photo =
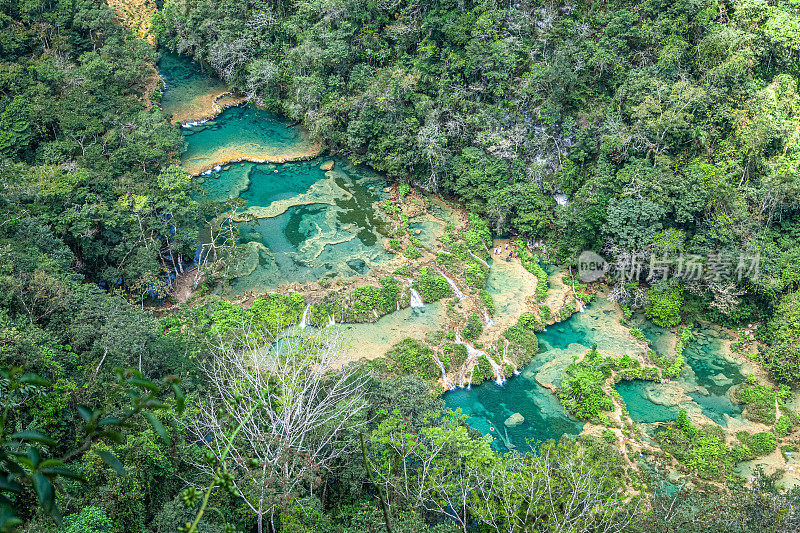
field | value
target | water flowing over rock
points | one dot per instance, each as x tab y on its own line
416	300
304	320
473	354
489	321
479	259
453	286
445	381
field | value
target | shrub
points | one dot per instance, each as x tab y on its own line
664	306
581	390
456	354
760	401
523	344
412	252
487	300
783	425
431	286
473	328
411	357
530	263
755	445
638	334
702	450
544	312
482	371
762	443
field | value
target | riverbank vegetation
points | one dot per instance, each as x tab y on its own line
625	126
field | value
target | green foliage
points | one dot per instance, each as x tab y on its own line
431	285
31	470
760	401
756	444
783	425
411	357
664	306
782	358
454	354
403	189
545	312
523	344
486	299
633	222
581	390
412	252
473	327
531	263
88	520
703	450
638	334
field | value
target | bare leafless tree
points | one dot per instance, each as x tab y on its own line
293	401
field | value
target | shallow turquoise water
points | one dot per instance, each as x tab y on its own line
312	224
185	82
338	235
489	404
703	355
640	408
241	131
708	369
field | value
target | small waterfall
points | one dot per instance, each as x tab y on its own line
416	300
331	321
489	321
479	258
474	353
453	285
304	320
446	382
398	305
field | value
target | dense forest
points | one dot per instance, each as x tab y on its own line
648	126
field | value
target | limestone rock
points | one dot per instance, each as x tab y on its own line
417	231
514	420
720	380
326	166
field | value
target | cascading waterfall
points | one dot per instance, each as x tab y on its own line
506	359
479	258
304	320
489	321
453	285
416	300
474	353
446	381
331	321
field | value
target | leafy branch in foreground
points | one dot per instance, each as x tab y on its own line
26	456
